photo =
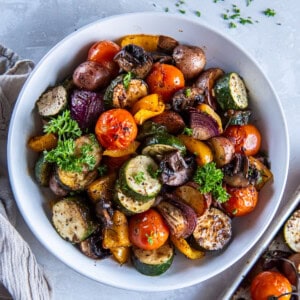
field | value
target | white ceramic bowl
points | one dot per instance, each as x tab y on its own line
221	52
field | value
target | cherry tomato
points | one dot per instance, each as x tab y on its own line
116	129
103	53
246	138
148	230
270	283
242	200
165	80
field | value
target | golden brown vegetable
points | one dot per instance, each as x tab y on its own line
102	188
223	150
182	245
43	142
122	152
120	254
117	234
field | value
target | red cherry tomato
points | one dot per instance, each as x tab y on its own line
270	283
246	138
165	80
116	129
148	230
103	52
242	200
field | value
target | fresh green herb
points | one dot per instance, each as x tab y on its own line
209	178
139	177
64	126
188	131
102	169
150	238
198	13
182	11
248	2
234	212
65	156
245	21
126	80
232	25
166	9
153	173
225	17
269	12
187	92
234	16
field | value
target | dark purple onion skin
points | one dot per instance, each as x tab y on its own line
86	106
187	211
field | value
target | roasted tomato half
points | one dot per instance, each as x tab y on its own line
242	200
148	230
116	129
246	138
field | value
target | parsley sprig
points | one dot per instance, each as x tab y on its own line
66	157
209	178
139	177
64	126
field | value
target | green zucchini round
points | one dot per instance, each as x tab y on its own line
231	92
42	171
291	231
153	262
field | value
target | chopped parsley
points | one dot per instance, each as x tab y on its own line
198	13
232	25
139	177
65	156
209	178
248	2
64	126
187	92
182	11
102	169
188	131
269	12
126	80
153	173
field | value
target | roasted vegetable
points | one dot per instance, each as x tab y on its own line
121	254
186	98
43	142
206	82
91	76
85	107
43	171
52	102
176	170
131	149
213	230
135	59
291	231
56	187
72	219
180	217
153	262
190	60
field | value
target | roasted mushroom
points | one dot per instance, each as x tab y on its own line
175	169
134	59
190	60
206	82
187	98
92	246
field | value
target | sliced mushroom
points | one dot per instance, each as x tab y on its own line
187	98
206	81
190	60
92	246
166	44
175	169
134	59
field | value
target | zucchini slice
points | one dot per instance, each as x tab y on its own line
153	262
291	231
129	205
231	92
72	220
52	102
42	171
136	180
160	144
213	230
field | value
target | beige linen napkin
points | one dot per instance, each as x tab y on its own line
19	270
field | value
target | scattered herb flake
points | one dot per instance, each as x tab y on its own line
198	13
102	169
269	12
248	2
187	92
166	9
153	173
225	17
188	131
245	21
182	11
234	16
139	177
232	25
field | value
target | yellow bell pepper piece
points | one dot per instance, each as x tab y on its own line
203	153
146	108
182	245
117	235
121	254
146	41
122	152
207	109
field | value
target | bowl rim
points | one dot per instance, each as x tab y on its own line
35	231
